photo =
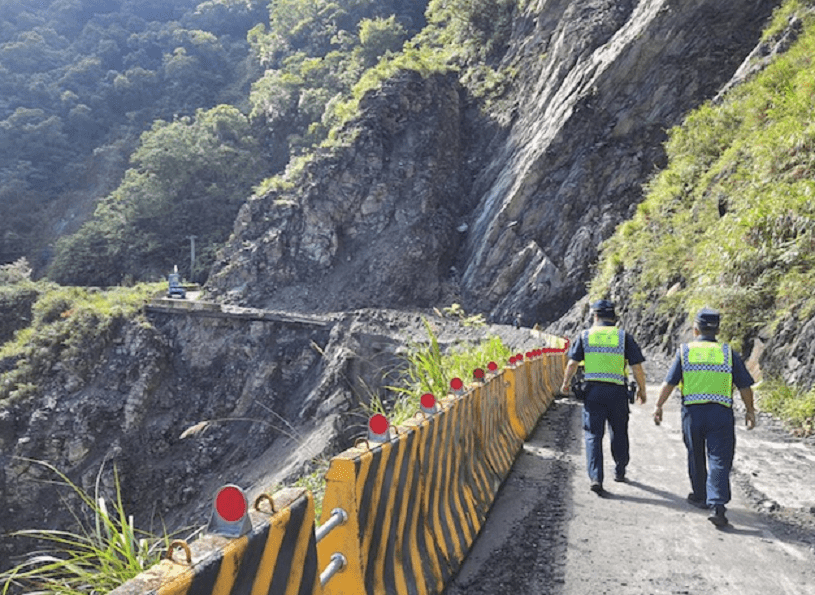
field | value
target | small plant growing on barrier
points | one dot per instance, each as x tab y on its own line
429	370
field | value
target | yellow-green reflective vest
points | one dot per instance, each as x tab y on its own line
604	351
707	373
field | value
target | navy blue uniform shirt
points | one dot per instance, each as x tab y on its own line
741	377
633	353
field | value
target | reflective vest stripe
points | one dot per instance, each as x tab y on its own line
604	351
707	373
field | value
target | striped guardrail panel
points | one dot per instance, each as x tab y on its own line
515	395
527	407
498	440
543	379
537	395
395	546
449	531
278	556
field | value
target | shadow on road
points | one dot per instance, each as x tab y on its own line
664	498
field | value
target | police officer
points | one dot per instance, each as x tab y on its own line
706	371
605	351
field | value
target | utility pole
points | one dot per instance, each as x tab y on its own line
192	255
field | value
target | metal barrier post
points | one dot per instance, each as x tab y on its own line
338	561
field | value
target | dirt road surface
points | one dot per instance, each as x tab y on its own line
548	534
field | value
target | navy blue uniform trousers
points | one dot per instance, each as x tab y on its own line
710	437
605	403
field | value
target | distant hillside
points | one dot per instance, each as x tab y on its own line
81	80
125	103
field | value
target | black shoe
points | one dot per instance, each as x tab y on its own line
716	516
620	478
696	501
597	488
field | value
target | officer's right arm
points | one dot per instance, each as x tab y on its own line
664	392
571	369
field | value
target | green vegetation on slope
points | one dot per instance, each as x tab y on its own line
189	177
80	80
319	58
730	222
71	325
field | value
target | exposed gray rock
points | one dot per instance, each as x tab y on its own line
439	200
369	224
602	81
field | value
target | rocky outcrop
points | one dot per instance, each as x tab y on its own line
436	199
372	223
178	404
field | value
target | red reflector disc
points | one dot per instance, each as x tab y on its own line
456	384
492	366
378	424
428	400
230	504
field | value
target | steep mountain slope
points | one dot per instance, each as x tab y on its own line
729	222
438	196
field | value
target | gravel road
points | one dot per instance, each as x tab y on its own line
548	534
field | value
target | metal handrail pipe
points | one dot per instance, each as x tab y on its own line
338	562
337	518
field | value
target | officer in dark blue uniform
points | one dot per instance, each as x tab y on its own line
706	371
605	351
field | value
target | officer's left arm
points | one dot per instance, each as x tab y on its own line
744	382
750	415
639	376
634	357
672	380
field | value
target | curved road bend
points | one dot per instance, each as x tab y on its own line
548	534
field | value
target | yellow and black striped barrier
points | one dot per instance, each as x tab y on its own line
277	556
400	512
417	501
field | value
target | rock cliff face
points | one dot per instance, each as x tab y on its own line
183	402
437	199
176	403
370	224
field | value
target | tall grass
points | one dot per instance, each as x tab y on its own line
429	369
104	552
791	403
729	221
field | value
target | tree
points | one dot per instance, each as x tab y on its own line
379	36
189	177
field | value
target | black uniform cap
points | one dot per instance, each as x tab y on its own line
604	309
707	319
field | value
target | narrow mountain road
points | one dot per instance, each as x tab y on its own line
548	534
